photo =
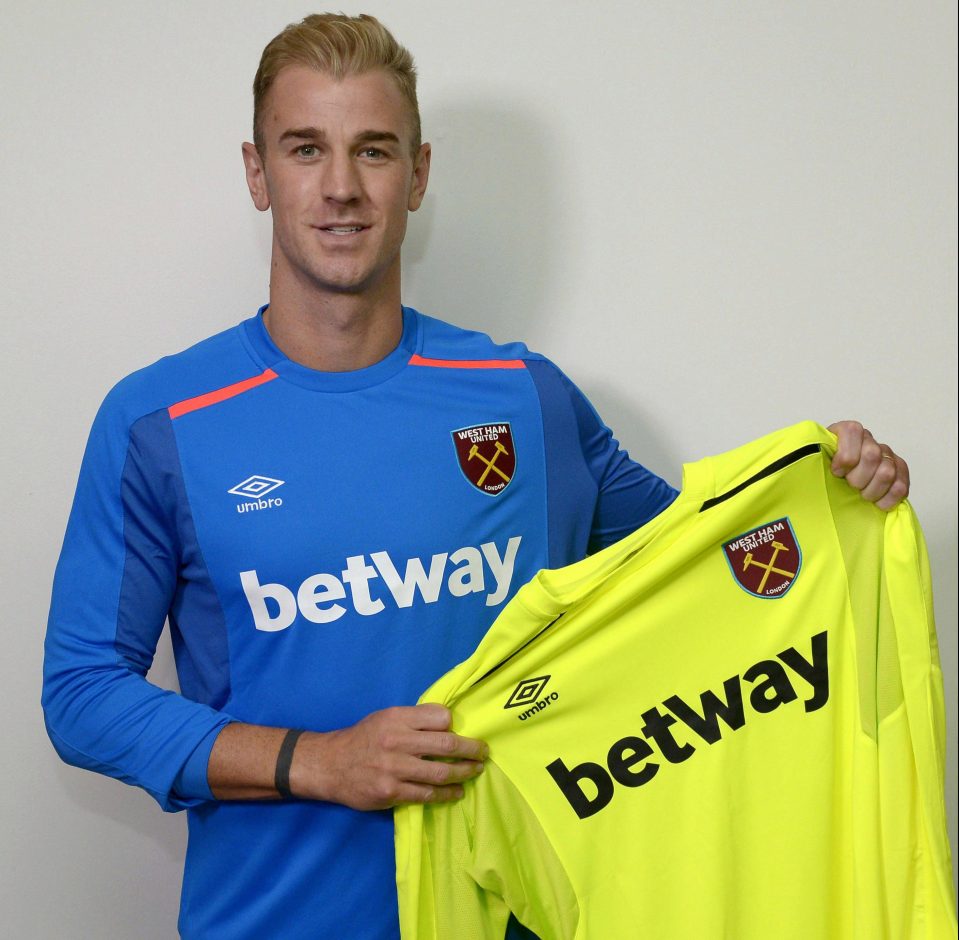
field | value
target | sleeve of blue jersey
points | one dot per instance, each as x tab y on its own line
629	494
113	587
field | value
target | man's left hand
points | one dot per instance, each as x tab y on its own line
880	475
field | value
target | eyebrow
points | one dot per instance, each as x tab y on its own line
314	133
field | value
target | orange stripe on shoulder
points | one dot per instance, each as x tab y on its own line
467	363
220	394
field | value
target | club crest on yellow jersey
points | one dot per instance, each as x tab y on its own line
486	456
765	561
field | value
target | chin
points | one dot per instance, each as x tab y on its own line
350	281
338	279
343	285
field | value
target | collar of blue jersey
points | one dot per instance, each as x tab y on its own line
265	352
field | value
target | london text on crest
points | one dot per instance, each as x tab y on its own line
486	456
765	561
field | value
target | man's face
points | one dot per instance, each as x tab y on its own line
338	173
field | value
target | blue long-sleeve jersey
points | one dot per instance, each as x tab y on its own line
323	545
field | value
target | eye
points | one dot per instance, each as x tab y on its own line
306	150
372	153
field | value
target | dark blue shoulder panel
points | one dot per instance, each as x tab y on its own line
571	491
164	572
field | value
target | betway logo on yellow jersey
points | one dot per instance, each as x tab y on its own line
628	760
468	570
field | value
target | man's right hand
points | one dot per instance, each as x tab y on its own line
398	755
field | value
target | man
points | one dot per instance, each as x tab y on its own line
330	502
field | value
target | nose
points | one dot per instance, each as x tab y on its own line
341	181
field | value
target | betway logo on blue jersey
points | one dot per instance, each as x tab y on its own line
468	570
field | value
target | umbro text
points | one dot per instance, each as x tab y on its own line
256	504
539	706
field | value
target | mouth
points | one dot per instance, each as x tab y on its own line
342	229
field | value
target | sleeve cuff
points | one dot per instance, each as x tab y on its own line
191	782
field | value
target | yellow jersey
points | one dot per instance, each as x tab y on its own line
727	725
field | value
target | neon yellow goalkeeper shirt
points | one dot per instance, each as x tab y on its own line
728	725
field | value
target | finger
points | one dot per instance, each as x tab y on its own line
412	781
881	480
445	794
849	436
412	793
870	457
899	488
446	744
440	773
897	493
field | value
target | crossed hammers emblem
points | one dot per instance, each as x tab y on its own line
490	462
770	566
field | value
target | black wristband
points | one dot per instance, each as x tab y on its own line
281	777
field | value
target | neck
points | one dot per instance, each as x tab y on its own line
334	332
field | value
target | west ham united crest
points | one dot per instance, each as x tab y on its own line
766	560
486	456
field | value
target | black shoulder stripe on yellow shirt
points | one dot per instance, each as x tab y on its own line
774	467
516	652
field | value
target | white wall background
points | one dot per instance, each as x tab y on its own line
718	217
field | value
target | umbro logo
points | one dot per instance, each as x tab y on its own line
528	692
253	489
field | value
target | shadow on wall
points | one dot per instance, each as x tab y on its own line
941	541
636	430
128	806
486	249
483	251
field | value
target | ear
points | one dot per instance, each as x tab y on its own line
256	177
421	175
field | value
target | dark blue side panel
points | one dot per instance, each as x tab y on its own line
156	500
571	490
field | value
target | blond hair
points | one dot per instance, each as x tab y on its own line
337	45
